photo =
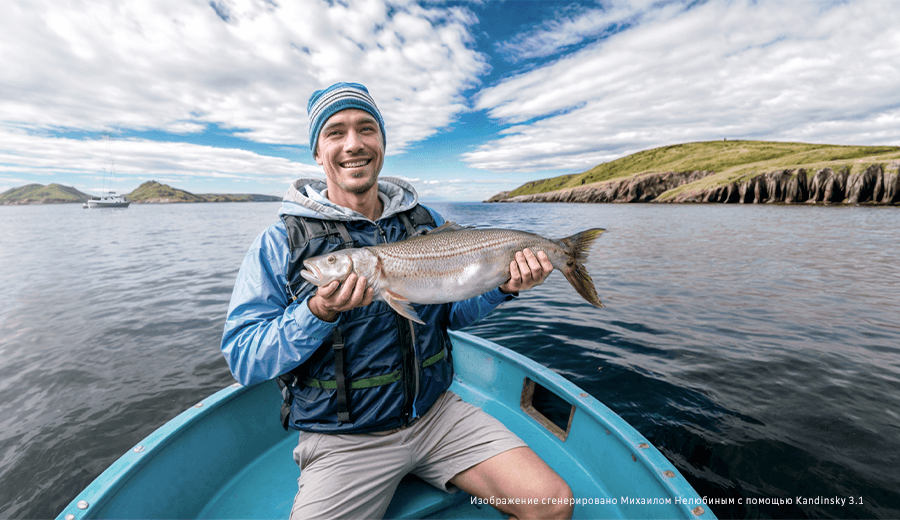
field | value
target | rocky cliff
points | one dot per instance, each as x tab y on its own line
873	185
876	184
642	188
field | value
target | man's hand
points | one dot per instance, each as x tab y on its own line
334	298
527	271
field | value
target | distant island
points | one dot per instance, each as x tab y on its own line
154	192
747	172
150	192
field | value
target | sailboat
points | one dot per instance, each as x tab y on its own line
110	199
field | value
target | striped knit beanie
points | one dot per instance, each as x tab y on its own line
340	96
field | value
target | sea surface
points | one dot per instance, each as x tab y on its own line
758	347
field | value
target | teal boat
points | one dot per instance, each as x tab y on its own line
228	456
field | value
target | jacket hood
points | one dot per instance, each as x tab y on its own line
308	198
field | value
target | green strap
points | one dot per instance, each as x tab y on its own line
370	382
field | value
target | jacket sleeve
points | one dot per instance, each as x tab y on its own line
266	334
467	312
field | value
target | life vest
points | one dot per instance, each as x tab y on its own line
381	371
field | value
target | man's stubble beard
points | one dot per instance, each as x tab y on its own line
361	188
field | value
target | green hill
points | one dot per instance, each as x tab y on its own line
732	161
152	191
40	194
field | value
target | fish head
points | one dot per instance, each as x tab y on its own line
324	269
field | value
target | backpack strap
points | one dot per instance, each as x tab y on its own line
420	216
339	383
416	219
300	232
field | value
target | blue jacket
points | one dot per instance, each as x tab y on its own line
267	334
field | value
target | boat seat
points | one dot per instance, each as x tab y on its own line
270	483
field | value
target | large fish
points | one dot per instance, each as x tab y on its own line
451	263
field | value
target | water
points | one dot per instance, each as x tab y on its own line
755	346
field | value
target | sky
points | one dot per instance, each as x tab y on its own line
478	97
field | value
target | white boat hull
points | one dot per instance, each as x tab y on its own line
110	201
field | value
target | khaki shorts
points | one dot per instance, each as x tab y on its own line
355	475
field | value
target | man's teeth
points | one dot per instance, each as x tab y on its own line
355	164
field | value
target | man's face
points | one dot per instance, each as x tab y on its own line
351	150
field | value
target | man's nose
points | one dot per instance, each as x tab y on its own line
352	142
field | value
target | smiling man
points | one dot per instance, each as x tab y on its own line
367	388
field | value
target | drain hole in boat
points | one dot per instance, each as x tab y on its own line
547	408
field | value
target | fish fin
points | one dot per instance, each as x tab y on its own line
401	306
577	247
446	226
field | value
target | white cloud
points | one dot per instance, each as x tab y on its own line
248	65
572	26
802	71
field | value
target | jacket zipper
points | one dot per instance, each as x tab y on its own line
407	355
417	372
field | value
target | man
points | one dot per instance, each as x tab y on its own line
366	387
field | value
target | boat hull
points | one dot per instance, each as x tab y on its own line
228	457
97	204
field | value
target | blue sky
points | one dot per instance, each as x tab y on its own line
478	97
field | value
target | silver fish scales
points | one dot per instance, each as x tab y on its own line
451	263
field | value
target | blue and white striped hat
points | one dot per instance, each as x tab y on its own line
340	96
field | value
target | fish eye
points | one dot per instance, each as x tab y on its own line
331	259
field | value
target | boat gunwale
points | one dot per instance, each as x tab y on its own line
122	470
114	477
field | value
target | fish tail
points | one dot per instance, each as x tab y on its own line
577	247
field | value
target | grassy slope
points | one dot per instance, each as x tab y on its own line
39	192
732	160
152	190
